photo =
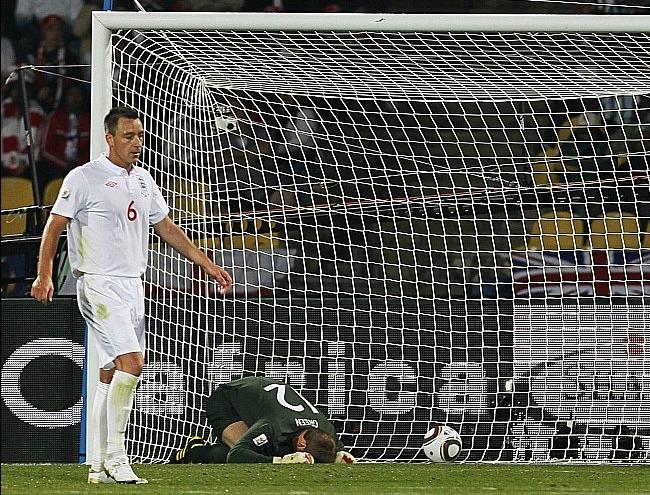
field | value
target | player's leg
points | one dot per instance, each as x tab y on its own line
99	428
226	425
223	417
121	393
208	454
88	306
119	402
233	432
117	315
197	451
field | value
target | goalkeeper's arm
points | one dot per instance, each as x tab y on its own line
343	457
241	454
255	446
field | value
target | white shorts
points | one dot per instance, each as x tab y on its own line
113	308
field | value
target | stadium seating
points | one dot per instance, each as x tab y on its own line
187	199
547	170
615	231
51	191
16	192
556	231
543	172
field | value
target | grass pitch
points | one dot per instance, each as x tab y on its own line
371	479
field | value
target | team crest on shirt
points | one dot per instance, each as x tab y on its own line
111	183
143	186
260	440
65	193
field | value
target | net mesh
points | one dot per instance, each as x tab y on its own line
422	228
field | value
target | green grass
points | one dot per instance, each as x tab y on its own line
373	479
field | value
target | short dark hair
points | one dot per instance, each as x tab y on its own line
321	445
116	113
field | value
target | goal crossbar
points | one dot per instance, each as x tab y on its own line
375	22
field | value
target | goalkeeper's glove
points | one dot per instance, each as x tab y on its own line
343	457
295	458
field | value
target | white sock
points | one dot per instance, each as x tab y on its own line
98	426
119	402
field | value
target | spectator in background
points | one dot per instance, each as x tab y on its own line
52	51
8	57
35	11
293	133
30	13
611	7
67	136
215	5
82	29
15	160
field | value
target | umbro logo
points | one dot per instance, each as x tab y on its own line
111	183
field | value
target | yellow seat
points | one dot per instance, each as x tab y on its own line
16	193
568	127
51	191
557	231
253	242
543	172
187	199
616	231
550	160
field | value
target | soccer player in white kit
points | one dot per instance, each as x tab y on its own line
107	206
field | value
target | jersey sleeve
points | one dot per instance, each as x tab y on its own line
159	209
73	195
255	446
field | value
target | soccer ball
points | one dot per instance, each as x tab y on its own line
442	444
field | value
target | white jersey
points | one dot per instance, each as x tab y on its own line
110	211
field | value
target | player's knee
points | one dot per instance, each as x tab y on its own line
233	432
131	363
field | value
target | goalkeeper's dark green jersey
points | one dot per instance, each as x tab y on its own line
274	412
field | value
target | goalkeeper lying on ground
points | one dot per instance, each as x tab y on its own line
261	420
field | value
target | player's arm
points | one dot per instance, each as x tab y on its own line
173	235
43	288
255	445
343	457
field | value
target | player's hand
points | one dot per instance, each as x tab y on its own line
219	275
343	457
295	458
43	289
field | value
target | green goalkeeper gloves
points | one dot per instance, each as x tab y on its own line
295	458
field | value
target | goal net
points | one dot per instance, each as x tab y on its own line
428	220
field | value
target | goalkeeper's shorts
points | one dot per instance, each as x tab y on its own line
220	411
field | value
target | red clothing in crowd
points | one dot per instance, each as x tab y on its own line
14	144
67	139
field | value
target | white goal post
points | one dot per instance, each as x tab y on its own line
429	219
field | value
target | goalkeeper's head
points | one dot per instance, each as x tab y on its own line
320	444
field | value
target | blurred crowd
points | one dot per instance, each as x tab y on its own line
55	37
